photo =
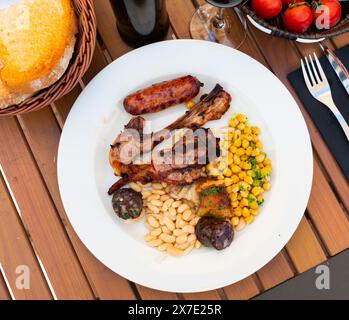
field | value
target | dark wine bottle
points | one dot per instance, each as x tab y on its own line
141	22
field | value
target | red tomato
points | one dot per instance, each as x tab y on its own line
298	18
327	13
267	9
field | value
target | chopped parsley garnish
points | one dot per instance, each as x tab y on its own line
221	207
253	145
260	202
253	162
258	183
242	188
213	191
251	198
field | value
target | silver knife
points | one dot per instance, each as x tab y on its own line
337	66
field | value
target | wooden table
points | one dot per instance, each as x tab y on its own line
35	231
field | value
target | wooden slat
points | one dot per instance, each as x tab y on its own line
207	295
304	248
341	40
276	271
42	133
242	290
16	250
151	294
40	216
4	293
327	215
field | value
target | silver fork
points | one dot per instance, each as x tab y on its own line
319	87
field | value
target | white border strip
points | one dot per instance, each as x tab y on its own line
42	267
2	272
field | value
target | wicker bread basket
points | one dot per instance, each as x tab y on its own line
275	27
79	63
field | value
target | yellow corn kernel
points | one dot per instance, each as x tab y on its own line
237	211
230	159
234	221
260	158
244	158
237	143
241	126
235	188
249	219
244	194
233	122
227	172
247	130
259	144
245	212
266	161
255	152
237	159
260	198
249	173
243	202
235	204
228	182
245	144
265	171
235	169
246	166
233	196
235	178
241	117
248	151
266	186
242	175
232	149
254	212
248	179
256	130
220	177
240	151
253	205
256	191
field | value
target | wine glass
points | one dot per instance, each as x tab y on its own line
213	22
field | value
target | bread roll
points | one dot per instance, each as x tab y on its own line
37	39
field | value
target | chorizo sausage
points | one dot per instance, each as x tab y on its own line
162	95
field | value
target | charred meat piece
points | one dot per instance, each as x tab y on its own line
212	107
127	203
174	167
162	95
214	232
215	201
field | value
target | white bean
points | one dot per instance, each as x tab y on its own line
186	214
164	246
181	239
167	238
174	251
241	224
197	244
182	208
157	203
153	197
188	228
157	186
182	246
186	251
192	238
165	230
146	193
156	232
179	232
153	208
153	222
169	224
160	192
165	197
135	186
149	237
176	204
154	243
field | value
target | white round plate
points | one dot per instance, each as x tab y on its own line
98	116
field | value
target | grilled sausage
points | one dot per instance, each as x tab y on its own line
162	95
214	232
127	203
